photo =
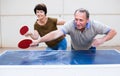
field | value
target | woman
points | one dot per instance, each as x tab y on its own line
44	25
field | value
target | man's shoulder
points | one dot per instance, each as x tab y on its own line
94	22
70	22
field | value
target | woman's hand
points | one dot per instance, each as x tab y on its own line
34	43
27	34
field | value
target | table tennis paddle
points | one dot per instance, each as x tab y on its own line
24	29
23	44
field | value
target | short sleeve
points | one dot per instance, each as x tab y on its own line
66	28
101	28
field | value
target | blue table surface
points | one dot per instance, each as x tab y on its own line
82	57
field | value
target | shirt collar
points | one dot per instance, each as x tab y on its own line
88	25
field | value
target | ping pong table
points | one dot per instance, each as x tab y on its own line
60	63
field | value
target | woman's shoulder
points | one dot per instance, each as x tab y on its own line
52	18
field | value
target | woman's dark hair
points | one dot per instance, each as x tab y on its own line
40	7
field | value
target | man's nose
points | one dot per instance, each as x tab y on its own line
78	22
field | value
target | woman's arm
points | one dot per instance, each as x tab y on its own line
33	35
60	22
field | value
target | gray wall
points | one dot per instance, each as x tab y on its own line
15	13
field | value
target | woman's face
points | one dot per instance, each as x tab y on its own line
40	14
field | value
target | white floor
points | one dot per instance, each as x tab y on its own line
42	48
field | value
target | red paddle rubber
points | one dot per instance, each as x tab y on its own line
23	30
24	43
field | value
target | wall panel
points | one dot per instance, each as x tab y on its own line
15	13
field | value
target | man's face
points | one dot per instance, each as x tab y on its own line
80	20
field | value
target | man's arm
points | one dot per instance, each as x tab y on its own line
107	37
51	36
110	35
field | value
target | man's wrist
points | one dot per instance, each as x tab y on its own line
39	40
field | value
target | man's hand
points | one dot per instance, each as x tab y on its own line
97	42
